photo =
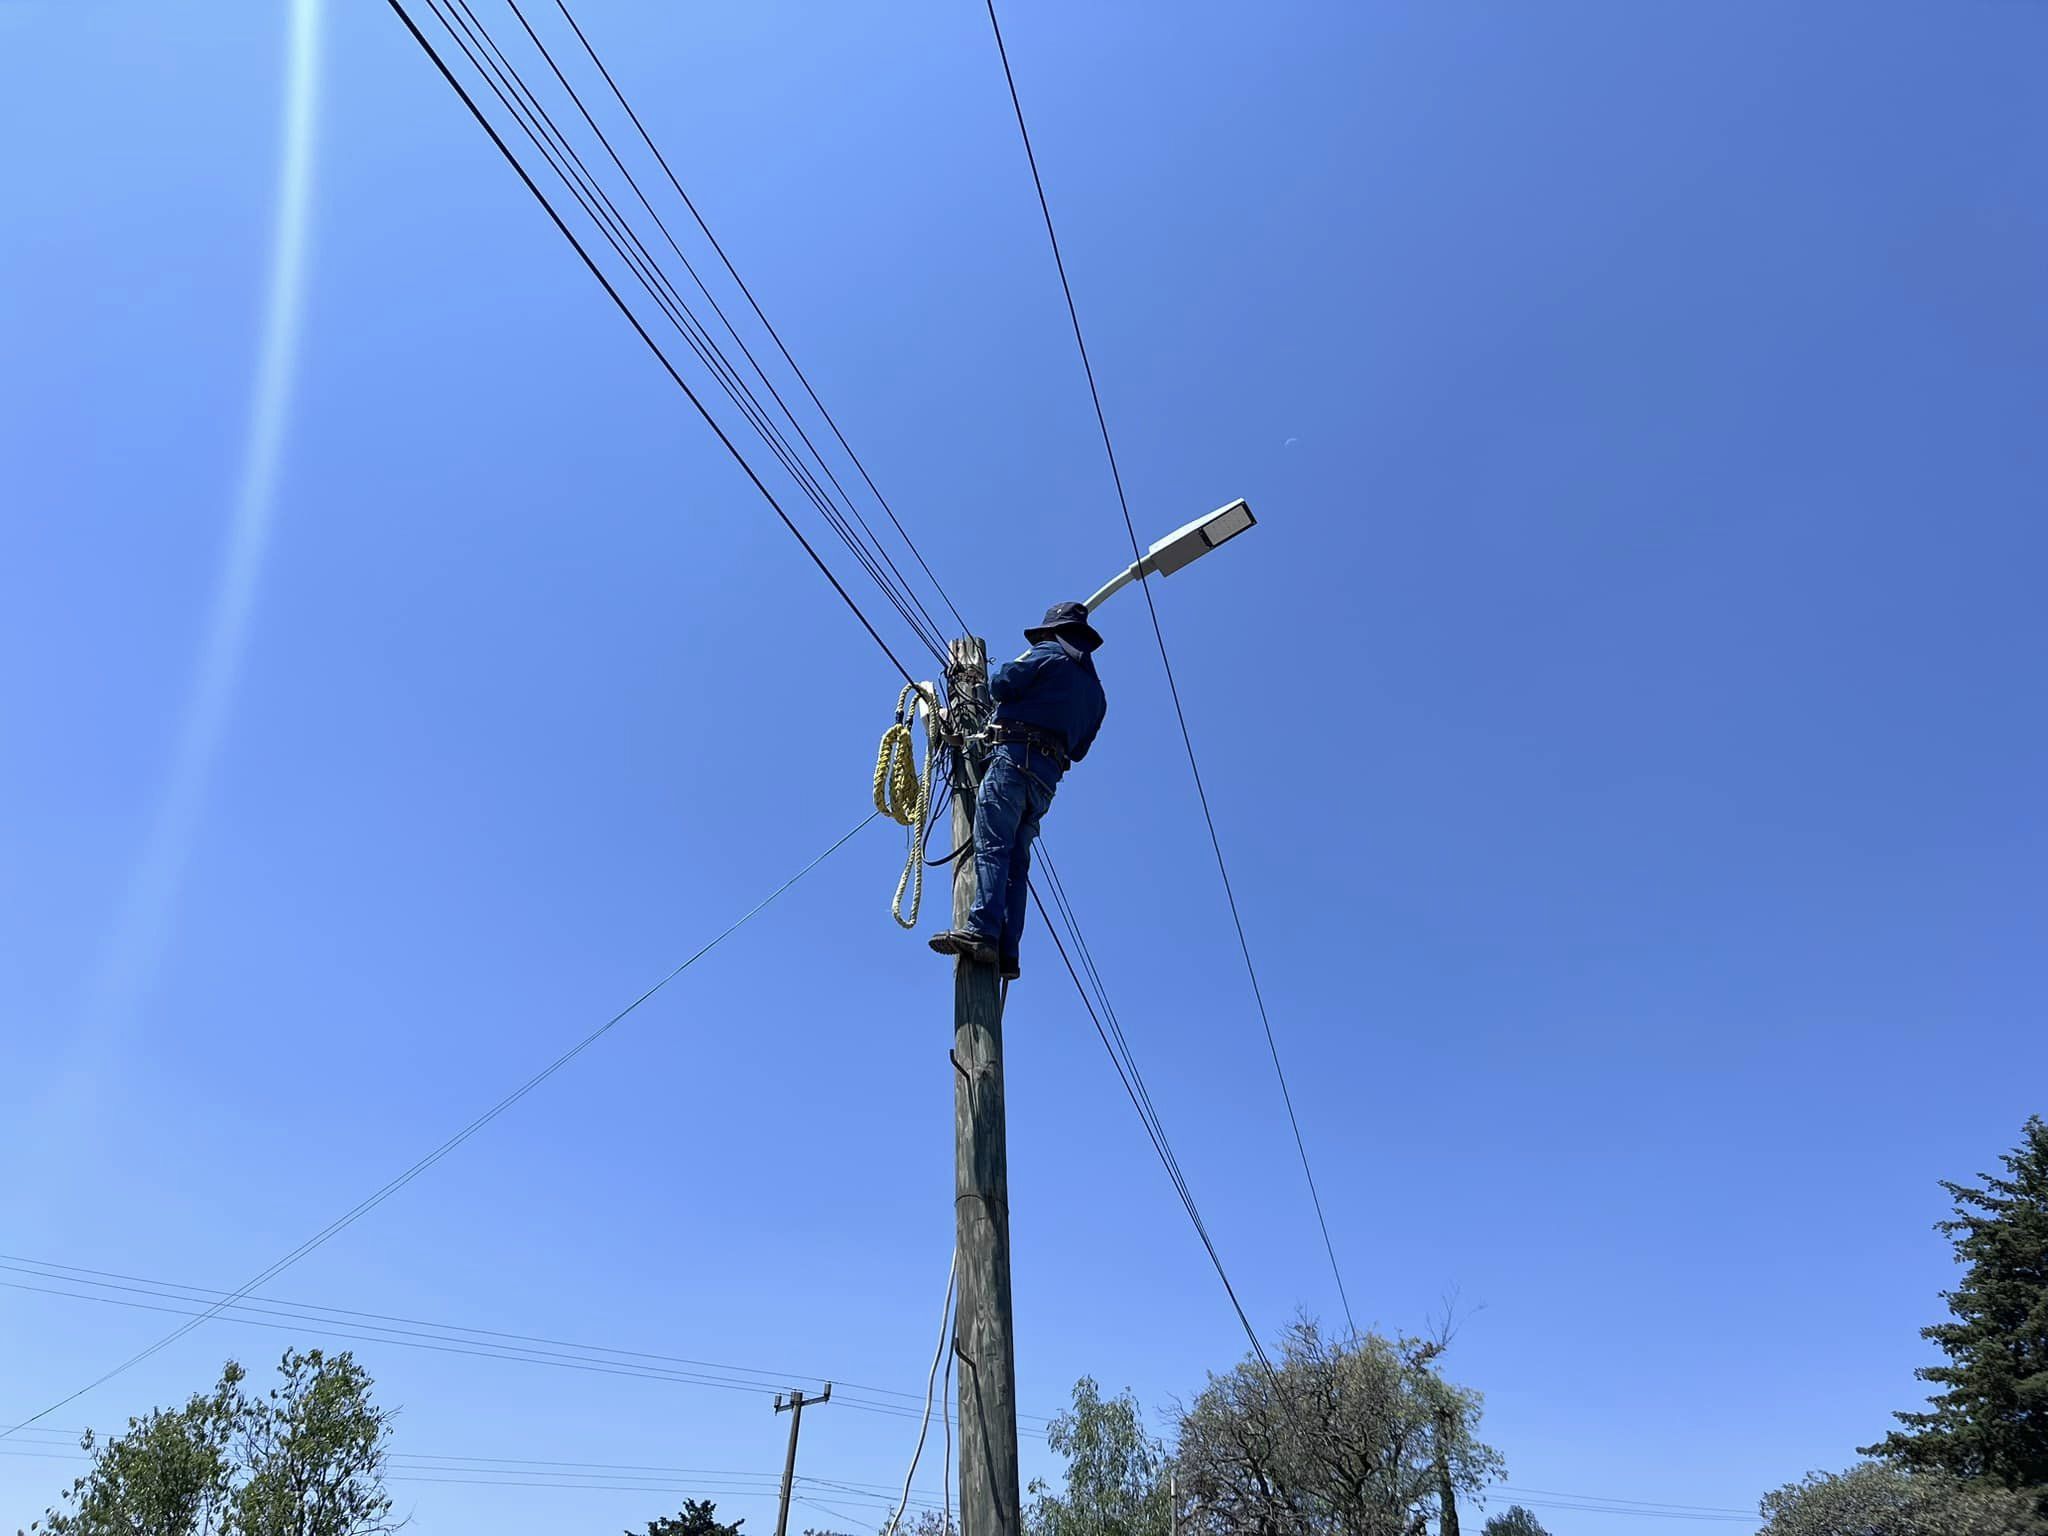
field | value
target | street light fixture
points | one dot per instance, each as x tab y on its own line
1182	547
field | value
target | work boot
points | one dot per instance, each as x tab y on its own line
964	941
1008	968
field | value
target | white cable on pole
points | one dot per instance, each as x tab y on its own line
946	1426
930	1384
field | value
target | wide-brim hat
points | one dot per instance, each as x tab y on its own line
1069	622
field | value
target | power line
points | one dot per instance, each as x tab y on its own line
1647	1514
802	377
600	1476
647	265
640	330
546	135
877	1492
1140	1094
441	1338
716	309
1646	1505
586	1487
301	1323
1141	1097
756	1377
1141	1100
527	1466
400	1471
370	1202
508	75
1124	1060
537	124
836	1514
1159	634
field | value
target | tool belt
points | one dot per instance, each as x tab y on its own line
1051	744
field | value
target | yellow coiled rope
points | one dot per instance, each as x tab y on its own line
904	797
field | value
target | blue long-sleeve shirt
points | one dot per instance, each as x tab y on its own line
1055	689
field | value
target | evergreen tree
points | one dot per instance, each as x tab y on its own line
1990	1420
699	1517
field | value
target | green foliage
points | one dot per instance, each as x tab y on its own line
1514	1521
1873	1499
925	1522
312	1453
169	1475
1990	1420
1116	1482
699	1517
1353	1439
307	1459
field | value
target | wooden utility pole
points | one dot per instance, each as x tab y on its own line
1446	1485
982	1330
795	1404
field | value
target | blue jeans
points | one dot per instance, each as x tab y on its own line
1016	792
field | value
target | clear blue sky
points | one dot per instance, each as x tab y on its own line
1624	723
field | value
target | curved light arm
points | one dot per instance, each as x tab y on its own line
1117	583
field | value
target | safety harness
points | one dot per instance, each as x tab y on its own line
1051	743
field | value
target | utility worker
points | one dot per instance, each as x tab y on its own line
1049	705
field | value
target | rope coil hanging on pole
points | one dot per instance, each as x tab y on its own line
904	796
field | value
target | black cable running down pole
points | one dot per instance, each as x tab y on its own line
640	330
1173	687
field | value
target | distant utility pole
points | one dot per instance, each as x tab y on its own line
796	1403
982	1331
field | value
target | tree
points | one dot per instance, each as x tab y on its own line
1116	1483
1990	1421
307	1459
1340	1440
1873	1499
167	1476
699	1517
312	1453
1514	1521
